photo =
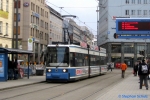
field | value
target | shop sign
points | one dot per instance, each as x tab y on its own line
36	14
26	4
34	26
30	44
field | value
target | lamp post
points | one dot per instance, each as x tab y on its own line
145	50
16	2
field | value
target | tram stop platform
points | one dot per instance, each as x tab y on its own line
21	82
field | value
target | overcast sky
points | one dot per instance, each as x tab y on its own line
85	10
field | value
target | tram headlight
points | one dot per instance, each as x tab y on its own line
49	70
64	70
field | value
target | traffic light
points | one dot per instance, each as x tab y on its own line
115	36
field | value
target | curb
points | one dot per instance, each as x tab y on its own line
7	88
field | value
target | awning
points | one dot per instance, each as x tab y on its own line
15	51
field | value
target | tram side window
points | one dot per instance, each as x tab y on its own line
97	61
92	60
103	60
78	60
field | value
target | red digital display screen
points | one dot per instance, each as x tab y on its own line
134	26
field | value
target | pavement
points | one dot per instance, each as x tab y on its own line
128	88
21	82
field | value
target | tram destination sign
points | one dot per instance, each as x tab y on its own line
133	26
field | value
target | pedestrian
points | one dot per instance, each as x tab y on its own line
109	66
135	69
15	68
10	70
123	69
138	68
143	73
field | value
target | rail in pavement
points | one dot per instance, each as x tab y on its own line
128	88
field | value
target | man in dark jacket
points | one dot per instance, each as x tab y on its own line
135	68
143	72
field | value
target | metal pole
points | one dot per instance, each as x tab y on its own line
16	26
97	22
28	67
145	49
64	35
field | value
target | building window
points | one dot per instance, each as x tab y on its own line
1	4
133	1
116	48
31	5
139	1
7	5
42	23
31	31
145	2
6	28
127	1
145	12
18	30
127	12
132	12
139	12
15	4
41	11
1	26
45	36
15	17
36	9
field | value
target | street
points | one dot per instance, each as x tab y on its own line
88	89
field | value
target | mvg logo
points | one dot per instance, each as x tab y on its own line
26	4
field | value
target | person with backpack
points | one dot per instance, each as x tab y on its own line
143	72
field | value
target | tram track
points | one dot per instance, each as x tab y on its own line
80	88
58	95
35	85
109	85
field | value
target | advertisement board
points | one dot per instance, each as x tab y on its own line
30	44
1	65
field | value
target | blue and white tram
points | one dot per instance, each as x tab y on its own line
72	62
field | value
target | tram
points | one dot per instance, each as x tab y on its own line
73	62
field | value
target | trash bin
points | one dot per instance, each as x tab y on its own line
39	70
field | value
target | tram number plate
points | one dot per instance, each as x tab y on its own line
48	74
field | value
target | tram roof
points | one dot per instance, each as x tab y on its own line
15	51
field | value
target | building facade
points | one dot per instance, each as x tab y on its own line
6	23
76	33
122	50
56	24
33	26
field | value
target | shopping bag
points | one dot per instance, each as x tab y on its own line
133	71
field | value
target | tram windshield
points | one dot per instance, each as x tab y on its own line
57	57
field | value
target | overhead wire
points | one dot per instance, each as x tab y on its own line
71	14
